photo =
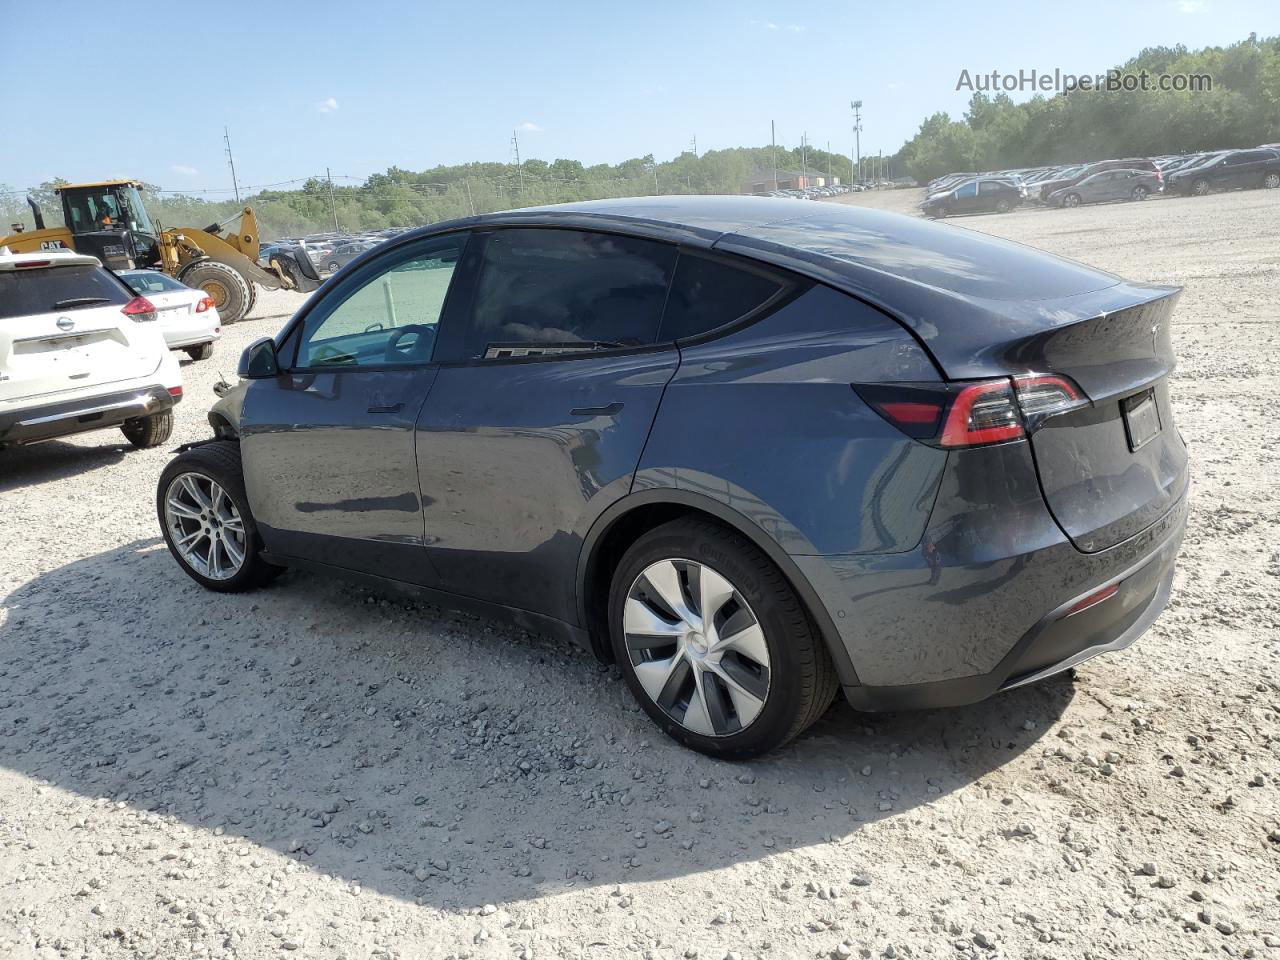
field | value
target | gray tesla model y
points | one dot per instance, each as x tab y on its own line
754	451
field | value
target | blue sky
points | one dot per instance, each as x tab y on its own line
363	86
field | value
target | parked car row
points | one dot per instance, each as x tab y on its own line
815	193
1103	181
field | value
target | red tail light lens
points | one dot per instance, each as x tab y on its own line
973	414
204	304
1092	600
175	392
982	413
139	309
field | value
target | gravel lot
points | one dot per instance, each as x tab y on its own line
318	770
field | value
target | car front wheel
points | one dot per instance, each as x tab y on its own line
1200	188
1139	193
1271	181
714	643
204	516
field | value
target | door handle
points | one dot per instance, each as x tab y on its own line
608	410
386	408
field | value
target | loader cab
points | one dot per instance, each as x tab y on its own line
109	221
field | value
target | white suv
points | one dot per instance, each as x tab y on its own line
79	351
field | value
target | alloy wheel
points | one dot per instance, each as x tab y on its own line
205	526
696	647
1271	181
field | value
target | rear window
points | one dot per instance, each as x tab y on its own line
50	289
707	294
939	255
145	283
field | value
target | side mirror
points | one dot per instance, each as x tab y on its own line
258	361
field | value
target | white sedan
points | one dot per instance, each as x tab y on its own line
187	318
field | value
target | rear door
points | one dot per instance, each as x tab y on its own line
966	197
61	328
547	389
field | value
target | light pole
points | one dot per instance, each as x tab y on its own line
857	139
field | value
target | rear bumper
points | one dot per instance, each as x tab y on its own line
49	421
982	605
179	335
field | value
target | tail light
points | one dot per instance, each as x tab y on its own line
973	414
175	392
139	309
205	304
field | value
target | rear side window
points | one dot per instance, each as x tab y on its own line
50	289
707	294
555	291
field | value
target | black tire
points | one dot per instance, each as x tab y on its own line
220	462
802	679
253	298
1003	205
224	285
1071	200
1139	193
202	351
150	431
1200	188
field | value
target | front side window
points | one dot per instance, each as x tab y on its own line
544	291
968	190
389	318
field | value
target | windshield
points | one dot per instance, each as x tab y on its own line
106	208
137	217
149	281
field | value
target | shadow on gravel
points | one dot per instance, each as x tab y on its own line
55	460
428	755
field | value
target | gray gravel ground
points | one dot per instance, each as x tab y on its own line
317	770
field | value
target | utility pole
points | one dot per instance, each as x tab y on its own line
695	146
332	204
829	163
773	149
472	203
857	139
226	138
655	178
804	160
515	142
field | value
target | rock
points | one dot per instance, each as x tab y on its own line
1225	927
1148	869
488	910
843	951
861	880
983	939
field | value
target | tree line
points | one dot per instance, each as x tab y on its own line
1242	109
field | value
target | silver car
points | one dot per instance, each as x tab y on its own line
1109	185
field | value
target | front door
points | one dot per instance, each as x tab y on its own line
537	419
329	445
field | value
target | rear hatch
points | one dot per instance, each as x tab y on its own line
61	328
984	307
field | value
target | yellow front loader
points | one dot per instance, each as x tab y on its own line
109	221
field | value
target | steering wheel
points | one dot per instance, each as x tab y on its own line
419	350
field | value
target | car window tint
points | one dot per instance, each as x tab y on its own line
968	190
553	290
707	294
145	283
44	290
389	318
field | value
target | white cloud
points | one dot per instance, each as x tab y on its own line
1191	6
529	127
184	170
795	28
328	105
776	27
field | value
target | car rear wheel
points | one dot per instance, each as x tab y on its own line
150	431
205	518
333	266
1200	187
1271	181
201	351
1139	193
1071	200
714	643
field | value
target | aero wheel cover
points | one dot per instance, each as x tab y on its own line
696	647
204	526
